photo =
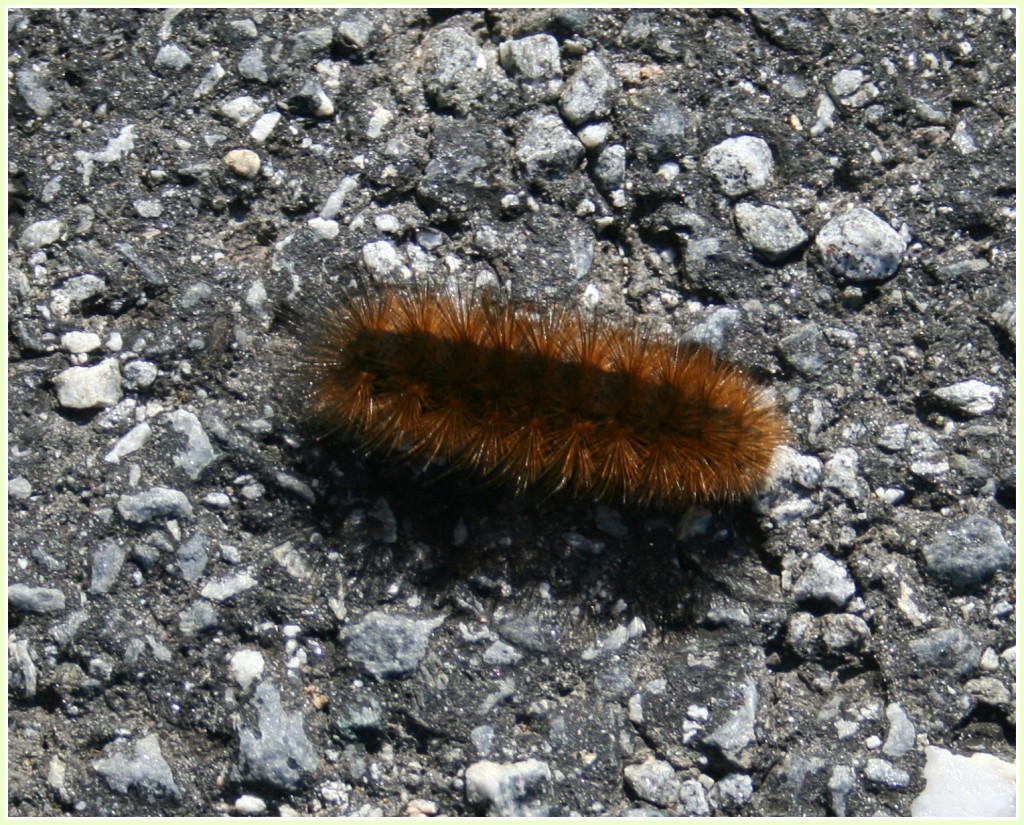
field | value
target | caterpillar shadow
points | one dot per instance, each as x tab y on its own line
461	540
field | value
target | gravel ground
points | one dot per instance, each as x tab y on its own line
213	612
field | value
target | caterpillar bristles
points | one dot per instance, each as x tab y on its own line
554	400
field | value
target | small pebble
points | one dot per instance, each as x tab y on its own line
172	57
882	772
227	587
245	667
19	488
155	504
240	109
43	600
249	805
654	781
262	128
40	234
968	552
971	398
80	342
84	388
547	149
860	246
139	375
824	580
771	231
355	31
243	162
740	164
34	93
591	91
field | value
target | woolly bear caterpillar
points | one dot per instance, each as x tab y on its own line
553	399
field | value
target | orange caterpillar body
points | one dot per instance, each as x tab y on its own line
551	399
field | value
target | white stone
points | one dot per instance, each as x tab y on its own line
83	388
979	787
246	666
78	342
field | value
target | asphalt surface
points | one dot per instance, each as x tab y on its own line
215	610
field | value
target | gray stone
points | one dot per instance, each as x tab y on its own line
824	580
614	681
547	149
803	634
172	58
509	789
296	487
139	375
309	42
389	646
841	473
989	690
736	733
615	640
842	633
716	329
840	783
661	128
846	82
106	565
276	752
500	653
901	737
40	233
693	799
229	586
155	504
252	65
590	93
969	398
133	440
610	167
44	600
193	557
143	771
740	164
1006	318
653	781
23	669
249	805
453	69
482	737
884	773
359	718
19	488
198	453
968	552
148	208
84	388
197	618
240	109
33	92
771	231
860	246
805	350
355	30
947	648
310	100
731	792
536	62
467	170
